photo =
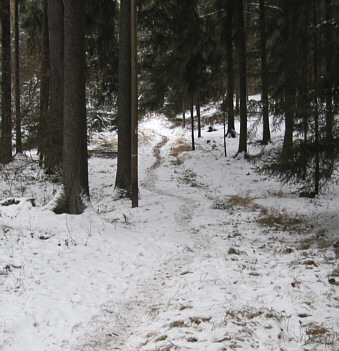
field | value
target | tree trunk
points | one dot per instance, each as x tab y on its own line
264	78
75	167
198	113
55	119
242	77
230	69
316	109
123	176
6	121
328	67
184	114
18	137
134	109
192	121
44	85
289	79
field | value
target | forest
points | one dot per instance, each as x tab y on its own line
66	71
169	175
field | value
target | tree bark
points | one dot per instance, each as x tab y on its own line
242	77
197	106
6	121
75	167
44	85
55	119
192	121
328	67
289	72
18	136
264	75
184	114
230	69
123	176
134	109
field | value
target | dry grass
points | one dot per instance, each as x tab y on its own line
272	218
319	334
279	219
181	147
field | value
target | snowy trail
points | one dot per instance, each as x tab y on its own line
120	323
221	291
216	257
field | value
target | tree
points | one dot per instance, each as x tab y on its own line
53	131
123	176
44	85
242	76
230	68
75	166
18	137
6	121
264	73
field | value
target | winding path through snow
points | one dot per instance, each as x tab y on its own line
234	286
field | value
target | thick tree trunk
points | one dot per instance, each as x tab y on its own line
230	70
44	85
264	78
123	176
242	78
55	119
6	121
289	123
18	136
75	167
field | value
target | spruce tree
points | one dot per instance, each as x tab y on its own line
6	105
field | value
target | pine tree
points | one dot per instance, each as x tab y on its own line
264	73
53	131
241	43
6	120
75	166
44	86
123	176
18	135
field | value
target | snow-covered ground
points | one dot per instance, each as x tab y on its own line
216	257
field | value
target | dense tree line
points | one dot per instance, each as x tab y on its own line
190	53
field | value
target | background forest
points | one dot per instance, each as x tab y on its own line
190	53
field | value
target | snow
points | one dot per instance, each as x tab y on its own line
195	267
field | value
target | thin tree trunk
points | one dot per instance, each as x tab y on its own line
184	114
198	113
55	119
242	78
192	122
123	176
75	167
303	103
316	111
264	75
230	69
44	85
289	81
18	136
6	121
328	64
134	109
